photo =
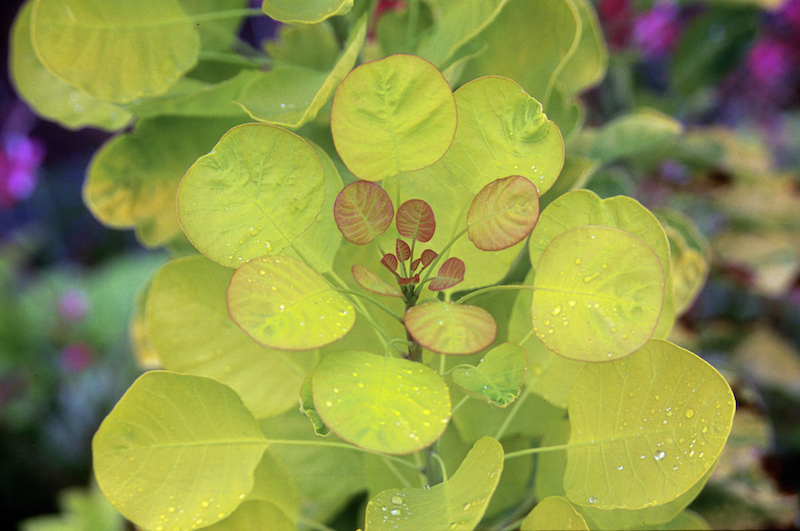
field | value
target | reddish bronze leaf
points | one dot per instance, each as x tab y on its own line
403	250
450	274
362	211
415	220
390	261
427	257
503	213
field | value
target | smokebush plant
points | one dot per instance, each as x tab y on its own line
377	218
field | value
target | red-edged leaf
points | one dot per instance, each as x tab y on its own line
407	281
403	250
372	282
362	211
390	261
427	257
503	213
450	274
450	328
415	220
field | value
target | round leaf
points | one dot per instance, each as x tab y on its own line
362	211
450	274
383	404
457	504
392	115
554	512
497	378
177	451
415	220
187	322
254	194
306	12
373	283
597	294
503	213
451	328
47	94
645	428
282	303
109	49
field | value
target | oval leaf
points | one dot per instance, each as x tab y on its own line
84	43
373	283
362	211
554	512
503	213
645	428
403	250
392	115
306	12
254	194
383	404
187	322
187	438
497	378
458	504
282	303
450	274
415	220
597	294
451	328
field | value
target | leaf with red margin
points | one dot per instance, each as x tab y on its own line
373	283
390	261
415	220
362	211
451	328
403	250
503	213
450	274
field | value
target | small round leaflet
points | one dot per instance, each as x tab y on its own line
384	404
451	328
415	220
393	115
362	211
503	213
282	303
597	294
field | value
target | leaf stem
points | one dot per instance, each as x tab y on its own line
334	444
373	301
489	289
538	450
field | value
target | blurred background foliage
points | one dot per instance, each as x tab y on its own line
728	70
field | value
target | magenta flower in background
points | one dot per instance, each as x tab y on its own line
656	32
20	157
616	17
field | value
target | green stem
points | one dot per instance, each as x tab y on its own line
490	289
539	450
333	444
434	466
373	301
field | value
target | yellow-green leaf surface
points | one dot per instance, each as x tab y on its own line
597	295
292	95
451	328
568	59
583	207
645	428
502	131
503	213
282	303
458	22
497	378
187	321
219	34
634	133
133	179
307	12
392	115
177	451
457	504
47	94
554	512
254	194
116	51
308	45
383	404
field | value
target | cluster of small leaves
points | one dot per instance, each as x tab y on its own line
259	311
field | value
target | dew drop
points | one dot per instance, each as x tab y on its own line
660	455
572	303
589	278
619	467
467	506
577	261
268	246
689	413
593	499
394	512
328	403
557	310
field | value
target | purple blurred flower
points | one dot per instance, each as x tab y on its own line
73	305
656	32
616	17
76	357
20	156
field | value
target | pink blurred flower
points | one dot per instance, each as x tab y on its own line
76	357
768	61
656	32
73	305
